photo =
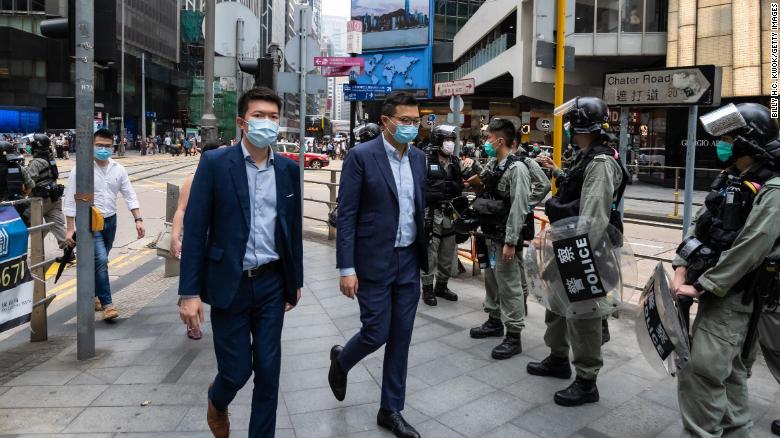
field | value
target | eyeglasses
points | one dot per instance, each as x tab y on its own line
408	121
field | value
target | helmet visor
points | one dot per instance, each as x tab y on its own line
564	108
722	120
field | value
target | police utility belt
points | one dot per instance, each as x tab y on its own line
52	191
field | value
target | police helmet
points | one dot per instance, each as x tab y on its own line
40	143
750	124
441	133
8	152
367	132
585	115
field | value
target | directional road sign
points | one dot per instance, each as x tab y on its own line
681	86
454	88
367	88
338	61
431	119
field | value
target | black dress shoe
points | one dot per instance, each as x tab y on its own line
604	331
510	347
551	366
442	291
337	378
776	427
491	327
395	423
428	296
581	391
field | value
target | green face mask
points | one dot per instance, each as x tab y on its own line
724	150
489	149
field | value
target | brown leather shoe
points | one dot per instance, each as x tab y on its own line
218	421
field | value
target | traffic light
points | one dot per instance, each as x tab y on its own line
105	24
262	69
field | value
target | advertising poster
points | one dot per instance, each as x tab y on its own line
408	70
16	283
392	23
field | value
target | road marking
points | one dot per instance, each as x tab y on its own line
646	246
69	286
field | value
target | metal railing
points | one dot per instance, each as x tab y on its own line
332	186
38	264
482	56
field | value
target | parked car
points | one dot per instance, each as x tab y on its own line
310	160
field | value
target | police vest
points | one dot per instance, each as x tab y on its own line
444	182
492	205
11	181
567	201
50	173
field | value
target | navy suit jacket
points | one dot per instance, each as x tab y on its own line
368	210
217	224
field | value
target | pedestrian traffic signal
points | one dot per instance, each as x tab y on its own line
262	69
105	23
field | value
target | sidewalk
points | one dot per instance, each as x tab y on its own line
454	388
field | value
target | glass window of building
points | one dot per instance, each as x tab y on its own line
583	16
656	15
632	16
607	16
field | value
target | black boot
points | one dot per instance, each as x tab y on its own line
428	296
442	291
551	366
581	391
491	327
511	346
776	427
604	331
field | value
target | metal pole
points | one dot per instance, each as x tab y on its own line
560	41
623	146
239	51
303	30
456	117
143	100
85	104
122	89
352	108
208	122
690	164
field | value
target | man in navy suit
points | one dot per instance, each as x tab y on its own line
243	254
380	250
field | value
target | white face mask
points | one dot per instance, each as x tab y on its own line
448	147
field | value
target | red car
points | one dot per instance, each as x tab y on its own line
310	160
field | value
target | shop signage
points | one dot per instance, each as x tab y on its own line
681	86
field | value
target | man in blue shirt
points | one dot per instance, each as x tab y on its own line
243	254
380	249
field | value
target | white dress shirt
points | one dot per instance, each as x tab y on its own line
109	181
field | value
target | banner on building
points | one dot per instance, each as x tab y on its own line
16	283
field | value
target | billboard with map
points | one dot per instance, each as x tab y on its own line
401	69
393	23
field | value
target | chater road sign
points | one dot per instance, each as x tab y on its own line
680	86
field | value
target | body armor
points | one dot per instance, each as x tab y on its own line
492	205
444	182
46	182
11	181
567	202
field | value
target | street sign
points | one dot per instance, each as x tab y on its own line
367	88
456	104
454	88
338	61
151	114
431	119
292	52
355	36
543	124
680	86
453	120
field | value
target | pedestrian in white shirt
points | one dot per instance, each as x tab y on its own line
110	179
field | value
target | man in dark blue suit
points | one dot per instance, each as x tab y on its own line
381	244
243	254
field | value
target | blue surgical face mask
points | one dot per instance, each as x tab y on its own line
489	149
262	132
102	154
405	133
724	150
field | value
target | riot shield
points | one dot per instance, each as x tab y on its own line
582	268
660	332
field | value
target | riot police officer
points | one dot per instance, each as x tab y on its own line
15	183
502	205
444	183
724	262
591	188
367	132
43	170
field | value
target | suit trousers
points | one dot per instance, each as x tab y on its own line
247	338
387	311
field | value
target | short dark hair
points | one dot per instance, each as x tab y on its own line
395	99
258	93
103	133
503	128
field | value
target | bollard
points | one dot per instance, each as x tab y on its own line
39	330
332	202
172	265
